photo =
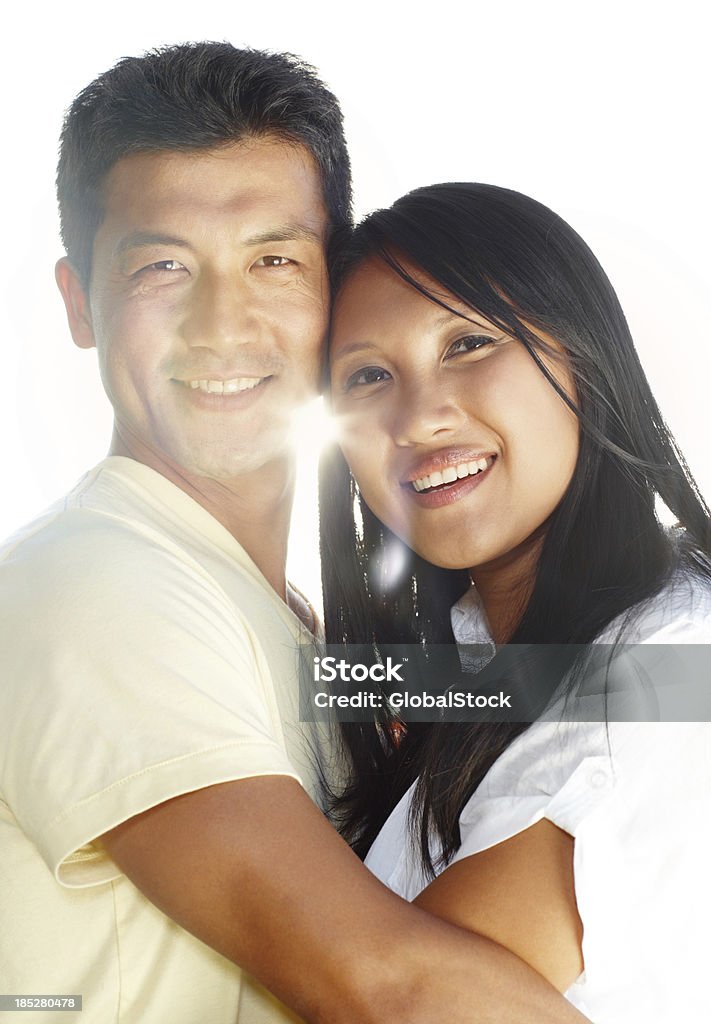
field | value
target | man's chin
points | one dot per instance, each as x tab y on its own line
230	465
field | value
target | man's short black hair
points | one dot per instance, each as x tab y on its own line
188	97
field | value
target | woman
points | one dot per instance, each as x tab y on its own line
497	421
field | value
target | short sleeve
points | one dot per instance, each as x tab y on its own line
556	770
553	770
129	678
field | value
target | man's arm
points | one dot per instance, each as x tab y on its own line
254	870
520	893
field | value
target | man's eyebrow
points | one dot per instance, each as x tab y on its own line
286	233
142	239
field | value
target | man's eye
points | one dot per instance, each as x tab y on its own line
167	266
472	343
273	261
368	375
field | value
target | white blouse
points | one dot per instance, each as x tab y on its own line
637	798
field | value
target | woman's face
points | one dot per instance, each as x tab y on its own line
457	441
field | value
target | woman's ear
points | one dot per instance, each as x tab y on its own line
76	303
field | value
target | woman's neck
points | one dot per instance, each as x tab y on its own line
505	586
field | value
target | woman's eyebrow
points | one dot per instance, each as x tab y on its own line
470	317
355	346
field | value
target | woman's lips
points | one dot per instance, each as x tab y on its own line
446	470
436	489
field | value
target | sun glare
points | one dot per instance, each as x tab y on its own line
313	429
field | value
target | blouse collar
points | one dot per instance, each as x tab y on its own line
471	631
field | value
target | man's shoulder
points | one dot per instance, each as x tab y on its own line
103	538
94	583
117	503
75	523
126	546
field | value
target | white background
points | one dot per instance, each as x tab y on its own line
599	110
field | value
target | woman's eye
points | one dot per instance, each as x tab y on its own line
368	375
472	343
273	261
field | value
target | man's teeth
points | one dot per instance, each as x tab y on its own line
225	387
451	473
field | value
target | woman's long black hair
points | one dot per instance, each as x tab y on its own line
520	266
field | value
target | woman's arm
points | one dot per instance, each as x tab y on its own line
254	870
521	894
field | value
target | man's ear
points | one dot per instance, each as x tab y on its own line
76	302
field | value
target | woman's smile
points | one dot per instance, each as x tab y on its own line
452	475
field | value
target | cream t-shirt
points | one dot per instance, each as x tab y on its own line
143	656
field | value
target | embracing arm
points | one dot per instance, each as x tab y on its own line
521	894
253	869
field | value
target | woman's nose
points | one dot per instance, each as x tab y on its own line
426	410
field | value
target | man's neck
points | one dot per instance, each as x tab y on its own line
254	508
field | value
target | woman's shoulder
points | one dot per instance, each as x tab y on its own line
565	763
679	613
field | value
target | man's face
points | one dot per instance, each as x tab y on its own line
208	302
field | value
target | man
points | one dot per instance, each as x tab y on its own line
154	828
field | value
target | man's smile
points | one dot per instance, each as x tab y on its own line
225	387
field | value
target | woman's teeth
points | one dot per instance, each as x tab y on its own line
451	473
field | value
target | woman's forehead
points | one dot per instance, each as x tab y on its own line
376	291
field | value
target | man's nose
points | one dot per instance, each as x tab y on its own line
222	313
427	410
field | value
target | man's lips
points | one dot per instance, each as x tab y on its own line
223	386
